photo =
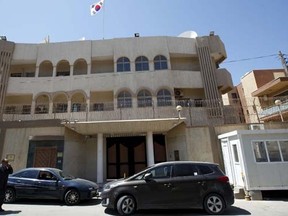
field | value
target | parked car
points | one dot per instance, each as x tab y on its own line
49	183
167	185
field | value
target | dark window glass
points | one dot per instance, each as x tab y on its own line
141	63
26	109
185	170
60	108
27	174
124	100
144	99
160	63
45	175
284	149
203	169
273	151
161	172
235	153
260	151
164	98
123	64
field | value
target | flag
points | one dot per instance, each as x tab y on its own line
96	7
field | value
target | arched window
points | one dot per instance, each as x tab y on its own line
141	63
123	64
160	63
164	98
124	99
144	99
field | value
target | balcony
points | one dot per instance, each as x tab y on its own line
195	114
273	112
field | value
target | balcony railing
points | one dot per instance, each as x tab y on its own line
195	112
272	110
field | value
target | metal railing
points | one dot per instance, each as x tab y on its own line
196	112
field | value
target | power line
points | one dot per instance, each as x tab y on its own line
248	59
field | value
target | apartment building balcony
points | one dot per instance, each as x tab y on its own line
275	112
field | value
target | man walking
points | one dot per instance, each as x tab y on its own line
5	170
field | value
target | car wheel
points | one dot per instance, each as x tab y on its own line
10	195
214	204
126	205
72	197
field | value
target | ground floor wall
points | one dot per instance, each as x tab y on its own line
86	156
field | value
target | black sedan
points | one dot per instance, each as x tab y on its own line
49	183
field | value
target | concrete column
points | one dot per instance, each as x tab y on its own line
149	149
33	107
71	70
50	107
69	105
37	72
54	71
100	166
89	67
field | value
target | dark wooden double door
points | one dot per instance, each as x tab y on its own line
127	155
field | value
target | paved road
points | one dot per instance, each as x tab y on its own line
94	208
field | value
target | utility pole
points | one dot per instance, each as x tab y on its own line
284	63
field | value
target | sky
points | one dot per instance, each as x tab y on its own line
253	31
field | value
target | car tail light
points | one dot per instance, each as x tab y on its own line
223	179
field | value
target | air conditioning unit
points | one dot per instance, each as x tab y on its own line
256	127
178	93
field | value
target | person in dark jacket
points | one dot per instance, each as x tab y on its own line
5	170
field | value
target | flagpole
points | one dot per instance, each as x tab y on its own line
103	23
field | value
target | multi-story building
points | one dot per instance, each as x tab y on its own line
107	108
264	95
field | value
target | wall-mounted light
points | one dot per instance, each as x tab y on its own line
278	103
179	109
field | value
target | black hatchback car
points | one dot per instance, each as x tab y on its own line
49	183
177	184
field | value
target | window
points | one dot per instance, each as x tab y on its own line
235	153
270	151
260	152
164	98
45	175
123	64
161	172
26	109
273	151
141	64
76	107
10	109
144	99
27	174
61	108
185	170
98	107
284	150
204	169
124	100
160	63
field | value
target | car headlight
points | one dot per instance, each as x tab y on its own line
109	187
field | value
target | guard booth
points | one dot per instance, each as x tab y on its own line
256	160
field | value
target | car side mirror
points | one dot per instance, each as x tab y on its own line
148	176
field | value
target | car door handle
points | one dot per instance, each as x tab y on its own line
201	183
168	185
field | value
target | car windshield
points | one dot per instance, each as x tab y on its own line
64	175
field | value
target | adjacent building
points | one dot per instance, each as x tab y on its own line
263	95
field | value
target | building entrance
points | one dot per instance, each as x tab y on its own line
127	155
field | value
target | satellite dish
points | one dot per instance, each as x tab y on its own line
188	34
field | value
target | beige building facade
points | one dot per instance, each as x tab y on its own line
107	109
264	95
